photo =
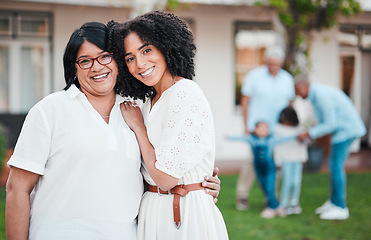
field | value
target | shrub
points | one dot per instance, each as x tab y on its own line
3	146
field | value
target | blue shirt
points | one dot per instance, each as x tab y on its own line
262	147
268	95
335	113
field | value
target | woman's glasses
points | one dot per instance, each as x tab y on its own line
86	63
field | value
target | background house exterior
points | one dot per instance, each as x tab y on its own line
33	35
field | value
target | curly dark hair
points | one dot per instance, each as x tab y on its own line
289	115
165	31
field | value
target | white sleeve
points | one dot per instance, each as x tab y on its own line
277	150
33	145
188	132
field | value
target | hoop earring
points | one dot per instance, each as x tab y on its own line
75	78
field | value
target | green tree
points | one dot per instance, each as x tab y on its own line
301	17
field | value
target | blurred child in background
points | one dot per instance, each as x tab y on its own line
262	143
290	156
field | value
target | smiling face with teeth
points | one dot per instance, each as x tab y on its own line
146	63
99	80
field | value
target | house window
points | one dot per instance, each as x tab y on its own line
365	38
5	23
36	26
347	63
25	62
355	36
347	36
250	42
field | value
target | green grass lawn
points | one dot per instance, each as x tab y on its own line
307	226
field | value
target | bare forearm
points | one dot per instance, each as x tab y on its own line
17	208
245	100
17	215
244	114
162	180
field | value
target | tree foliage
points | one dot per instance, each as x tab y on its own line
301	17
3	146
172	4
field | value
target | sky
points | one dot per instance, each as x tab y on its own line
366	4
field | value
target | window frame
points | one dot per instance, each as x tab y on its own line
359	32
15	41
249	26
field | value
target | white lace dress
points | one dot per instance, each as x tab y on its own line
180	127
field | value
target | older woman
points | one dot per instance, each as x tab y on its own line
75	171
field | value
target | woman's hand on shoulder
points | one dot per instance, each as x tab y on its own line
132	115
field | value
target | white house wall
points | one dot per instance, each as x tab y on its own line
365	100
324	58
66	18
215	69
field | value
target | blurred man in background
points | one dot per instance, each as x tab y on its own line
336	115
265	91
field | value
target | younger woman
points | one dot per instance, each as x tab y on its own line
175	133
290	156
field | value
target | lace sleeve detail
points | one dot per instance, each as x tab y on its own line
188	131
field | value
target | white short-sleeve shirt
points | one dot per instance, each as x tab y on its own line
290	151
90	185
